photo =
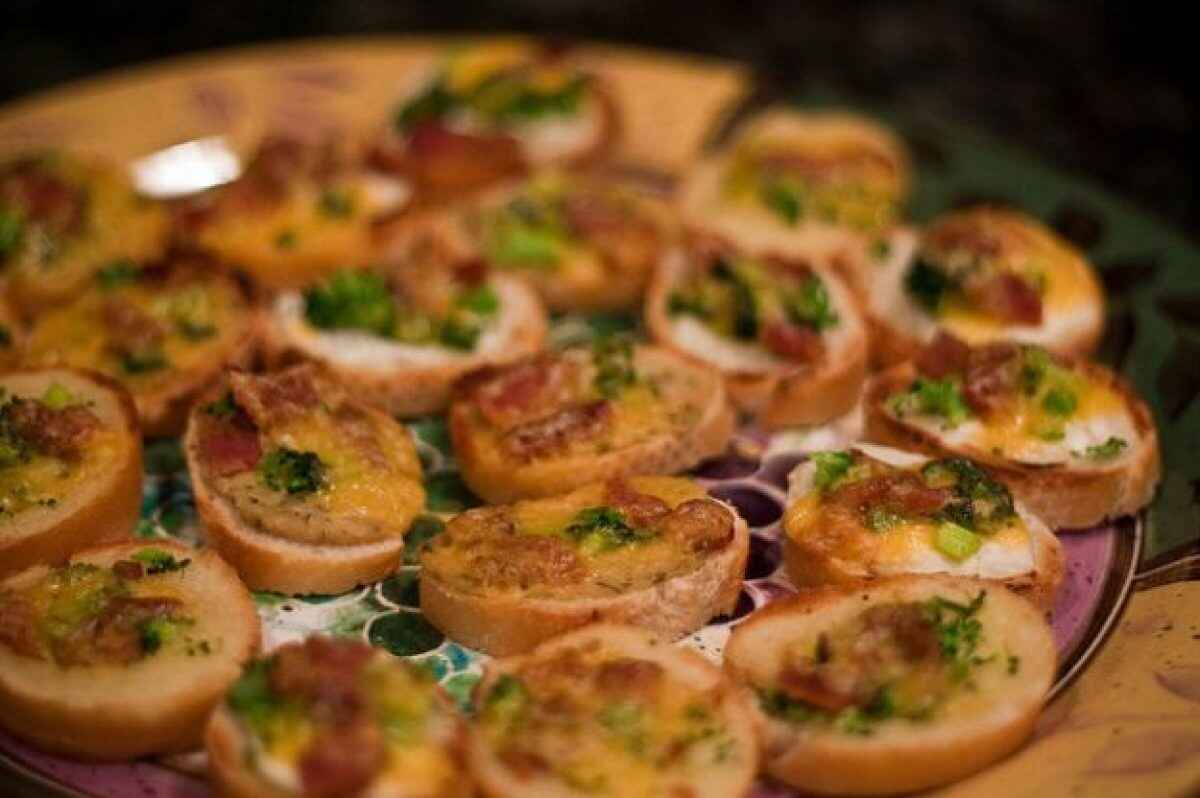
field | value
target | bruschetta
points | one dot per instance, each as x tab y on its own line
559	421
490	111
789	339
119	653
893	686
821	186
12	334
983	274
164	332
586	242
611	710
405	334
1071	439
332	717
300	486
654	552
63	218
871	511
301	208
70	464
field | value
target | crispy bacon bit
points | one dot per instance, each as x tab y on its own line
558	430
321	669
701	525
129	570
1007	297
59	433
43	197
114	636
945	354
342	760
444	163
470	271
18	626
801	344
905	624
901	492
811	687
640	510
991	376
624	676
130	328
527	389
524	764
232	449
271	397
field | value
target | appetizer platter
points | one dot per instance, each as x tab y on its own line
499	417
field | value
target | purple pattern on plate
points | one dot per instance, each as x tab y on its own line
730	465
757	507
1088	556
776	469
765	556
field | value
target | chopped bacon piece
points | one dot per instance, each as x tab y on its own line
801	344
307	670
557	430
901	492
18	626
131	330
43	197
1007	297
129	570
640	510
231	449
342	760
906	625
945	354
810	686
991	376
701	525
444	162
270	397
526	389
58	433
115	635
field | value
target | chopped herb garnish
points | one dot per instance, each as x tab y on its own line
157	632
158	561
783	198
481	300
613	357
956	542
1105	451
1060	402
295	472
432	103
599	529
143	362
832	467
941	398
460	332
809	305
56	397
979	502
958	631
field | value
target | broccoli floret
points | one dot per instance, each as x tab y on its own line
297	473
157	632
1060	402
357	300
832	468
598	529
941	398
979	501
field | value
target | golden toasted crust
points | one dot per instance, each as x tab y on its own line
416	389
1064	497
899	757
497	781
506	625
499	481
106	509
156	706
267	562
780	397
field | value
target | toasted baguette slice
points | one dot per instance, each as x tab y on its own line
77	479
591	246
409	379
12	333
1106	463
823	546
821	381
165	333
452	153
1071	299
78	215
545	426
140	680
857	170
357	486
611	710
304	206
306	754
503	579
863	748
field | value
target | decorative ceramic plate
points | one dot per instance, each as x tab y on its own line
673	107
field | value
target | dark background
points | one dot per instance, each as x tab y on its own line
1100	89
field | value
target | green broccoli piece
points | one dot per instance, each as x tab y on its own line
354	300
979	501
297	473
613	356
599	529
809	305
157	561
1105	451
941	398
832	469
